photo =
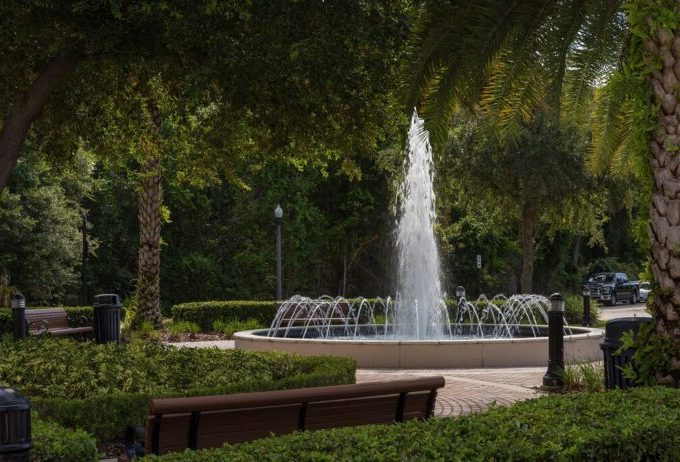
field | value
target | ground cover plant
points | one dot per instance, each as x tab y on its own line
104	388
637	424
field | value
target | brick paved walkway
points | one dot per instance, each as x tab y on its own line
469	391
466	391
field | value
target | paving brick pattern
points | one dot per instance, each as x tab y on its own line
469	391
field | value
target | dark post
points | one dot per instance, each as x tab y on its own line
107	318
278	215
15	426
553	377
19	315
85	257
586	307
460	292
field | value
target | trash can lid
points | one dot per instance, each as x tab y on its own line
10	398
615	328
107	300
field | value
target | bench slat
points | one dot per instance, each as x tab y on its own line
57	322
202	422
277	398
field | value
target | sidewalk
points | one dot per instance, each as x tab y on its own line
466	391
469	391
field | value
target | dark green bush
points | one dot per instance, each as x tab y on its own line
104	388
206	313
639	424
79	316
54	443
573	310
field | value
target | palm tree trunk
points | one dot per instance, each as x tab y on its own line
149	215
664	47
527	229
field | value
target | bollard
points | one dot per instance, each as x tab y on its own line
19	315
553	377
586	321
107	318
15	426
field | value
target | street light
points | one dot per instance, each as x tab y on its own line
278	215
586	321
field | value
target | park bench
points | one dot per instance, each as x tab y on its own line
53	321
201	422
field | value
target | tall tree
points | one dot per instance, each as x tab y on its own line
510	57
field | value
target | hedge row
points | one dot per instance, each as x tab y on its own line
54	443
206	313
105	388
639	424
75	313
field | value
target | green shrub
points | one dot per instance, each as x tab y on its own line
638	424
54	443
104	388
584	377
183	327
573	310
206	313
230	327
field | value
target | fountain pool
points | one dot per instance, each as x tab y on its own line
419	329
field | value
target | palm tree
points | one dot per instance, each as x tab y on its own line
603	62
150	199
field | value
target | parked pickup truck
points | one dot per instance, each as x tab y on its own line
611	288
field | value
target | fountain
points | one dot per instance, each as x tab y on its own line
419	329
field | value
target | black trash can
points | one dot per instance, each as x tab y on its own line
613	377
15	426
107	318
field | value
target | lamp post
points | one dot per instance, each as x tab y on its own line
553	378
278	216
18	315
586	308
84	261
460	292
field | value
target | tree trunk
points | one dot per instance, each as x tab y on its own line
527	229
665	207
149	216
26	109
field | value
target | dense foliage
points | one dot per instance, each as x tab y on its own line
54	443
639	424
103	388
205	314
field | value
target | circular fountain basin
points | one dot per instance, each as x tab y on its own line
466	353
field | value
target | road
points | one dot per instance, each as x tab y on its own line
623	311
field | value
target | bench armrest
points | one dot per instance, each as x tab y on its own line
41	326
79	321
134	441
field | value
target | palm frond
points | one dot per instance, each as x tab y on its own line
593	55
612	127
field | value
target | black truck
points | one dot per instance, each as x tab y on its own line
611	288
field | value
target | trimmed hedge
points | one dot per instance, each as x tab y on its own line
105	388
54	443
206	313
74	312
638	424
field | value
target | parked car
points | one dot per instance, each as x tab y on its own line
611	288
645	289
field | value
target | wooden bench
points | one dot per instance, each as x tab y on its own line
53	321
175	424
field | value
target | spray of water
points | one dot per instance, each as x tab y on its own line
420	311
